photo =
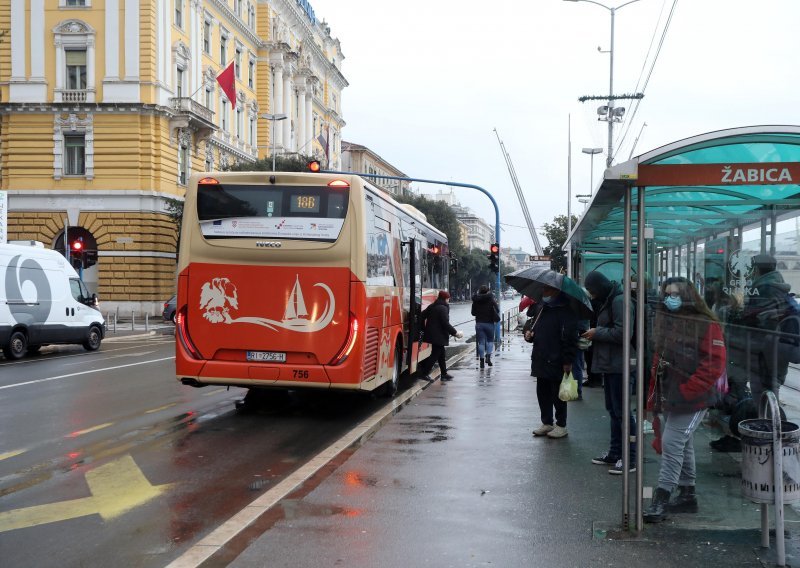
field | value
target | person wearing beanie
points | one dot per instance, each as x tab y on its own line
437	331
607	340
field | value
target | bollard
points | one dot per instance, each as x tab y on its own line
115	322
133	321
146	322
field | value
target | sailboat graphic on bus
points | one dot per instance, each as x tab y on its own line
295	316
296	307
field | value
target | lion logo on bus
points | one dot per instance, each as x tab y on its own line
741	264
219	296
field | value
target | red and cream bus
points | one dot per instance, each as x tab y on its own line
301	280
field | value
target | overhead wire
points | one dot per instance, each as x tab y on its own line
625	132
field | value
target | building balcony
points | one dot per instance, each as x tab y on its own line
188	113
74	96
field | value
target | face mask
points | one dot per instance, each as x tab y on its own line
547	299
673	303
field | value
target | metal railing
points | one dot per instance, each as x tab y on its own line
186	104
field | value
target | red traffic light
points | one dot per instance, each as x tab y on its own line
77	246
314	166
495	248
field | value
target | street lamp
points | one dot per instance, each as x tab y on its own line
591	152
273	118
611	114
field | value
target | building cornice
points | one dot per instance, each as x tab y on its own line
236	22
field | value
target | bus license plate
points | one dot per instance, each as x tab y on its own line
272	356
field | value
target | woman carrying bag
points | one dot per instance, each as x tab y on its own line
554	334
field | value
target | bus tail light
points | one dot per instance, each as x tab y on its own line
183	334
208	181
352	334
338	184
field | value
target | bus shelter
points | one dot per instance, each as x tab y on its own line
722	211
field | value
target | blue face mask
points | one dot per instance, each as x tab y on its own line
673	304
548	299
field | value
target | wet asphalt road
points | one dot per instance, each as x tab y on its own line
105	459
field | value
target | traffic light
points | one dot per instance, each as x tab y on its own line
494	257
314	166
76	253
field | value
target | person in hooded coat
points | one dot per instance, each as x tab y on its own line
607	338
554	334
487	313
437	332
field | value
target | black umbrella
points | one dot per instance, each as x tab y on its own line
531	281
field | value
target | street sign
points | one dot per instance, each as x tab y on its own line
540	261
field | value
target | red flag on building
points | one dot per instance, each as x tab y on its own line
227	82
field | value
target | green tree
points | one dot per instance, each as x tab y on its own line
284	163
556	235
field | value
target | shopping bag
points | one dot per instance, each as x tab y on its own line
569	388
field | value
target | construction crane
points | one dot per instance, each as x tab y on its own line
520	196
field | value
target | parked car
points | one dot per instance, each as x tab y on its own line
169	309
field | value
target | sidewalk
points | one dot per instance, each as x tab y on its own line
456	479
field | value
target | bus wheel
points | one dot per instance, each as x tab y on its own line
17	346
390	387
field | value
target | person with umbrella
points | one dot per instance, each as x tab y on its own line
554	334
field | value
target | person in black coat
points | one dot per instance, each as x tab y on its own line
487	312
555	342
437	332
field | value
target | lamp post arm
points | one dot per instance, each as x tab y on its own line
596	3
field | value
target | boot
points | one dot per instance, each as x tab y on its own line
482	363
685	501
657	511
489	360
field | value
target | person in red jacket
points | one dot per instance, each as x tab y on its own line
689	359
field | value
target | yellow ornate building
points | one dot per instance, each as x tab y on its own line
107	107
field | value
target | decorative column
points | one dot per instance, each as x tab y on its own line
196	48
277	99
309	121
287	109
300	127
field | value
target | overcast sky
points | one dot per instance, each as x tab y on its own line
430	80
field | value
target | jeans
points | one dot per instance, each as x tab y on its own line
484	335
677	449
577	371
612	386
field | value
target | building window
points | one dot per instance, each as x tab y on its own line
251	16
207	37
251	72
223	49
239	124
72	3
209	99
179	78
179	13
76	69
238	65
74	155
252	130
238	5
224	114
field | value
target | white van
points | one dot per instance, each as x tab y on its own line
43	301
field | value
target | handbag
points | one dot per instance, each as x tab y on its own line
568	390
495	313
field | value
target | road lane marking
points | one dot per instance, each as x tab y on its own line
120	356
96	356
86	373
92	429
116	488
12	453
160	408
212	393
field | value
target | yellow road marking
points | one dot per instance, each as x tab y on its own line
116	487
92	429
217	391
12	453
160	408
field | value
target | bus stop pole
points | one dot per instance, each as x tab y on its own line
497	327
626	367
641	350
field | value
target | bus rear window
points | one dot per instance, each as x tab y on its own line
267	211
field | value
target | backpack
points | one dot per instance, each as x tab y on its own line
789	327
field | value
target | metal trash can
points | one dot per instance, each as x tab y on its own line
758	465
